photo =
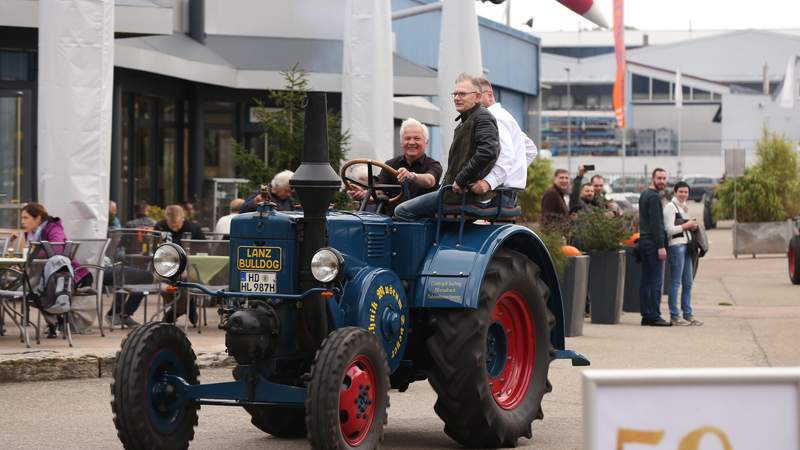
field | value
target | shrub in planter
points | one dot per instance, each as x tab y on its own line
600	235
769	191
540	175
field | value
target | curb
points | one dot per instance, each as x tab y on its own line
49	365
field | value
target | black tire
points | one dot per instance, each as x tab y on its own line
708	215
148	351
463	364
347	354
280	421
794	260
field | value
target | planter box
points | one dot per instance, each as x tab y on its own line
758	238
606	285
574	286
633	279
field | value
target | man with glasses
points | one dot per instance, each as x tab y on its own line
517	150
472	154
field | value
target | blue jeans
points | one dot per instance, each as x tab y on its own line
651	281
680	272
417	208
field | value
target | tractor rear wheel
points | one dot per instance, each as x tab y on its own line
794	260
491	363
141	409
348	393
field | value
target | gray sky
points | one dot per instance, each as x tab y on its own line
550	15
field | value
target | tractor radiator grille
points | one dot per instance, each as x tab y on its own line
376	242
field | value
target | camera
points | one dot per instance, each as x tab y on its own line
588	167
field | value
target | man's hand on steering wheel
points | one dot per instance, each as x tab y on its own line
371	190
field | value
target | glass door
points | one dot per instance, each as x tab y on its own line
15	155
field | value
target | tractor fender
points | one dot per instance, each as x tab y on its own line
374	299
452	272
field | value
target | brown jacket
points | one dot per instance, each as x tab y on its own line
554	208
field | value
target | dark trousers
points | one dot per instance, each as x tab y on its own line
132	276
651	281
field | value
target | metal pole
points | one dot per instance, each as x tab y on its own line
416	10
569	124
508	13
624	139
735	217
680	129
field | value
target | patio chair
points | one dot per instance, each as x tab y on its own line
132	248
211	272
24	284
90	255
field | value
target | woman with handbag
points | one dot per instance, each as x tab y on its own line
678	226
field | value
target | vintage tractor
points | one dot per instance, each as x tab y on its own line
327	310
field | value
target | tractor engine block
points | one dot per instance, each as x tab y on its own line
252	334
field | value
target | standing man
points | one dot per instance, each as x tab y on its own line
652	250
555	213
421	171
472	154
517	150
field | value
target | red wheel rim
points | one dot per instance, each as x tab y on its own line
357	400
510	385
791	263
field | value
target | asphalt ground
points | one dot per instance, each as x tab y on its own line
751	314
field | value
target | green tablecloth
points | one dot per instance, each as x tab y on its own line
207	266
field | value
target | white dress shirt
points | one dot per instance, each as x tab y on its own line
224	224
517	151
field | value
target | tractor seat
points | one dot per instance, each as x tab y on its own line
508	212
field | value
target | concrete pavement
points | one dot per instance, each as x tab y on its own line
751	310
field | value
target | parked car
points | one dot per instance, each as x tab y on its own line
700	185
628	202
629	184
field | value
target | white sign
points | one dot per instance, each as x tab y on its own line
734	162
692	409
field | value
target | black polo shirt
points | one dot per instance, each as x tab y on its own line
423	164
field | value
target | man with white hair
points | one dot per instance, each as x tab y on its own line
279	192
517	150
420	170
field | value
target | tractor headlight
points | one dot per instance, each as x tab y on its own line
326	264
169	261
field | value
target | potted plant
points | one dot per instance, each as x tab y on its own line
599	234
572	268
765	199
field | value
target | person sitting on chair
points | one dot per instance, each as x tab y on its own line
39	226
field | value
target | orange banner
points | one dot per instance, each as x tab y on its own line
619	51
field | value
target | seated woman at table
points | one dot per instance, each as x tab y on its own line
39	226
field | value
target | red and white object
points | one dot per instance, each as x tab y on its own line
588	9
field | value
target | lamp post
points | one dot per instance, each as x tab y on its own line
569	123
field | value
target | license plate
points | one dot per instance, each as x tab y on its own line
264	282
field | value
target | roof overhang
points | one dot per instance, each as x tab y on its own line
182	57
416	107
141	17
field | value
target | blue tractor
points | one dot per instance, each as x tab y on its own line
327	310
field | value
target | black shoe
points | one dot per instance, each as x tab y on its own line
169	316
51	332
659	322
193	314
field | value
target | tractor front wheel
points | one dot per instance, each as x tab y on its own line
794	260
140	401
491	363
348	393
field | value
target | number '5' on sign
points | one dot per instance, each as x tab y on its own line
690	441
692	409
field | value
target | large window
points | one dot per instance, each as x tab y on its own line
220	118
16	65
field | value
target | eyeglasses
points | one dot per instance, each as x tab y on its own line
463	94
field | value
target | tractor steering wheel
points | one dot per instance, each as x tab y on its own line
371	187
